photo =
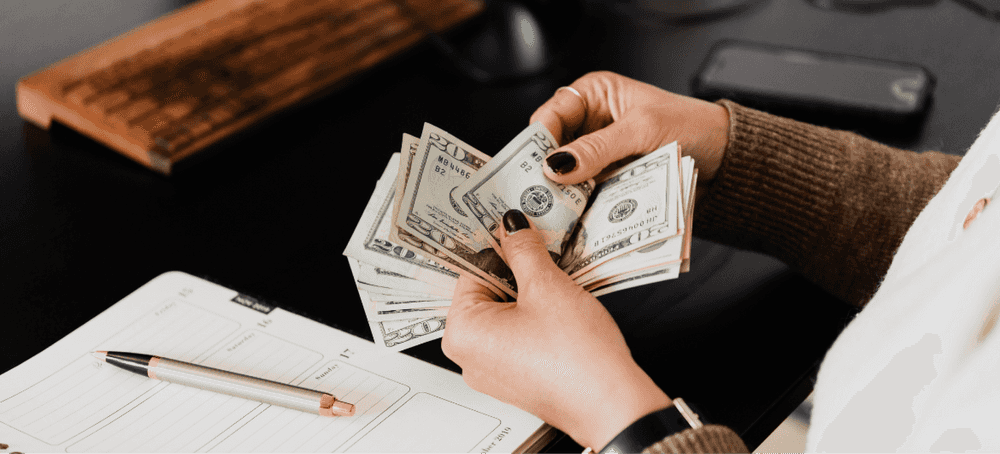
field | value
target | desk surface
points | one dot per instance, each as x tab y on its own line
270	213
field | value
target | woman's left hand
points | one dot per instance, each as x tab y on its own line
556	352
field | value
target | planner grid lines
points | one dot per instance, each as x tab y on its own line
65	400
157	423
174	328
371	394
122	411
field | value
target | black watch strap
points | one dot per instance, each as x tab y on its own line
654	427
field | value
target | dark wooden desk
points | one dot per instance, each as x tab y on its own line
272	210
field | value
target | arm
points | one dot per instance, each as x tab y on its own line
831	204
771	184
557	353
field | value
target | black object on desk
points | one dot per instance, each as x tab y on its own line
785	79
868	6
81	226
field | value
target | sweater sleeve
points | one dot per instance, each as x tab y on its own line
708	438
832	205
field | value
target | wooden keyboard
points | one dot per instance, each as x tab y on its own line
172	87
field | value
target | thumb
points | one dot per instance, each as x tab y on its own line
588	155
525	252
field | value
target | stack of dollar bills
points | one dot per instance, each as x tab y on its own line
437	209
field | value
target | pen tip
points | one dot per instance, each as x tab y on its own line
343	408
331	406
101	355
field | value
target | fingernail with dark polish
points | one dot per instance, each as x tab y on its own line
514	220
561	162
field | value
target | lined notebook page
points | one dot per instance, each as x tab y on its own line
64	399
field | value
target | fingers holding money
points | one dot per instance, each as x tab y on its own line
532	264
591	155
495	343
570	239
616	118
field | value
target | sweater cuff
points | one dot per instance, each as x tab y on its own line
708	438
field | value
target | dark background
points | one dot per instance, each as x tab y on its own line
270	211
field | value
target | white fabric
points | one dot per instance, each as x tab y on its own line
911	372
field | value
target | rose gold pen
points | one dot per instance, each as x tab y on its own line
230	383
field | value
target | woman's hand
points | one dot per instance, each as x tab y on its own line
555	353
618	118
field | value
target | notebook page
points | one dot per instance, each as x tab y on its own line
65	400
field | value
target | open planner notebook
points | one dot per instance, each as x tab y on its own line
64	399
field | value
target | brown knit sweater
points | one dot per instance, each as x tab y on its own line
832	205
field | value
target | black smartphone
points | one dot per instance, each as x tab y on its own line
786	80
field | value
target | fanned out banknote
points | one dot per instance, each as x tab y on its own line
436	210
401	314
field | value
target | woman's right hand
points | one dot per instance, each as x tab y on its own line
618	118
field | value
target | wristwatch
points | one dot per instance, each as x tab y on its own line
652	428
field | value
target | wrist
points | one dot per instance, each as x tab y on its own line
653	428
707	137
633	400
